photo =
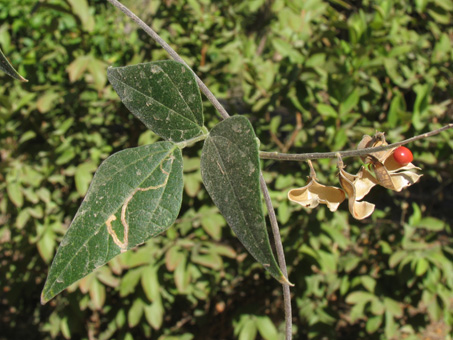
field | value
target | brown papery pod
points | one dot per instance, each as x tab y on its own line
359	210
382	175
372	142
392	175
363	183
314	193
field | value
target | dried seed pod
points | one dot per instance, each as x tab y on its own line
387	169
314	193
359	210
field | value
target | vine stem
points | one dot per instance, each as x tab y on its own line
224	114
347	153
281	258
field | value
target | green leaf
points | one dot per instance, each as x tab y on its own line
326	111
357	312
135	195
97	294
130	281
48	101
431	223
150	283
373	324
284	213
77	68
82	10
66	156
22	218
154	314
396	258
26	136
249	330
15	194
421	114
350	102
46	244
104	275
266	328
390	325
192	184
135	313
359	297
377	307
97	69
421	267
230	171
368	282
83	177
163	95
393	307
182	276
213	261
64	326
287	49
173	257
212	224
6	67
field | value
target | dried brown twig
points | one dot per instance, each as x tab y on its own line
348	153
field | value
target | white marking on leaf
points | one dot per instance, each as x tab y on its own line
123	245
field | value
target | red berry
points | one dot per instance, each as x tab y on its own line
403	155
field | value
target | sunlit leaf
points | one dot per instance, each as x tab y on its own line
163	95
154	314
15	194
135	195
230	171
135	313
373	324
97	294
82	10
266	328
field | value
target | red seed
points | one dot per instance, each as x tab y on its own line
403	155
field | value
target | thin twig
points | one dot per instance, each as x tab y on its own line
224	114
349	153
281	259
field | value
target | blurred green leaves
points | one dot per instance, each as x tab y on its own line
391	54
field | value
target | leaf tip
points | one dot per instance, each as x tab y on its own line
284	280
43	299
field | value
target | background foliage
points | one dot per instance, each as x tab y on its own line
311	76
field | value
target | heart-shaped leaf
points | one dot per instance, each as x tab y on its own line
163	95
135	195
230	171
8	68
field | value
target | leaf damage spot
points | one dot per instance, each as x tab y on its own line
155	69
123	245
